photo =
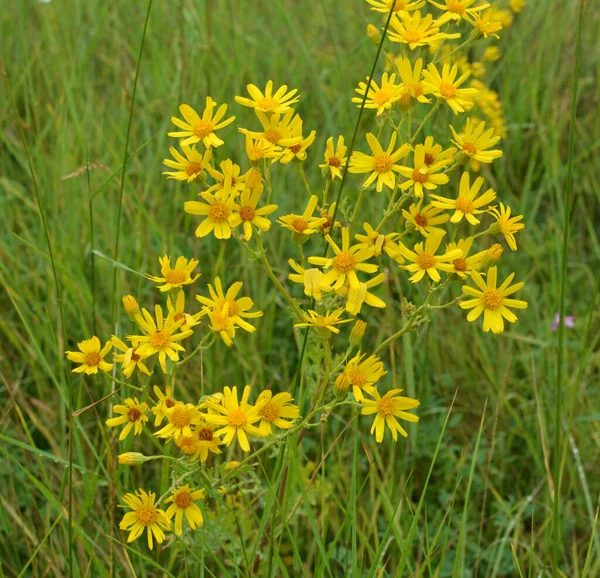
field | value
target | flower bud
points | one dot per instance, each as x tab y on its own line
231	466
492	255
374	34
342	385
357	332
131	306
253	179
133	459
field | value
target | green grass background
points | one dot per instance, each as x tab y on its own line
487	511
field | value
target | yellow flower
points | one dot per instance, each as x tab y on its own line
133	413
357	297
324	323
506	225
275	410
279	101
457	9
297	151
382	98
347	261
473	142
382	165
492	301
181	417
217	211
435	154
445	86
160	336
91	355
312	279
484	25
467	204
144	516
130	358
386	410
328	214
362	374
182	502
412	88
281	131
196	129
132	459
235	417
416	31
245	211
304	224
223	324
189	167
492	53
259	149
516	5
399	5
175	277
376	243
200	443
165	402
358	332
229	182
189	321
423	176
424	260
334	158
426	219
464	265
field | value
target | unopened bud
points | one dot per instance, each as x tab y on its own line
342	385
231	466
253	179
374	34
357	332
133	459
131	306
492	255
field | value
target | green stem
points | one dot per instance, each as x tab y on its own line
429	115
304	179
359	201
210	337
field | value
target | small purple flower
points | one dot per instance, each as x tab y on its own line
569	321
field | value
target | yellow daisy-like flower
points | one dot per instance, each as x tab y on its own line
386	410
362	374
347	261
189	167
424	259
382	164
91	356
464	265
426	219
175	277
246	213
144	516
312	279
130	358
196	129
506	224
328	214
279	101
474	142
304	224
324	323
180	419
484	25
223	324
335	158
178	308
259	149
380	98
517	5
412	88
457	9
435	153
276	410
229	182
399	5
492	300
280	131
377	243
217	212
445	86
201	443
236	418
358	297
133	413
423	176
415	30
467	204
161	336
165	402
182	502
297	151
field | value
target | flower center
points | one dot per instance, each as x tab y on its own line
247	213
205	434
382	163
419	177
180	417
193	168
269	412
426	260
267	103
237	418
218	212
357	377
202	129
412	36
188	445
273	136
492	299
296	148
344	262
460	265
447	90
421	219
399	5
175	277
385	407
135	356
169	402
92	358
300	225
469	148
146	515
405	98
417	88
455	7
179	316
429	160
334	162
382	96
134	414
182	499
159	340
463	204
